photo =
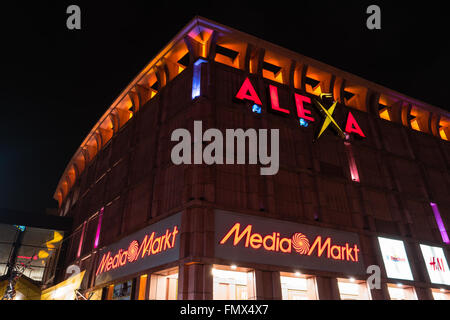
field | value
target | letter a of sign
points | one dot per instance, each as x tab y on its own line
352	125
74	20
248	92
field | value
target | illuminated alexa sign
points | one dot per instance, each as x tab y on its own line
436	264
395	259
154	245
267	241
248	92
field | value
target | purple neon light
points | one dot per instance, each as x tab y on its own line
439	222
99	227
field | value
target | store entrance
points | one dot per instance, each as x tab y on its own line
296	286
233	283
164	285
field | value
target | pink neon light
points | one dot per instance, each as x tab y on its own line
351	162
99	227
81	240
439	222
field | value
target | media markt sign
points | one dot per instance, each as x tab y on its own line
254	239
154	245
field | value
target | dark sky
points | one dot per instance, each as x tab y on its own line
56	83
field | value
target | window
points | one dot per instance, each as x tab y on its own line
232	283
401	292
164	285
122	291
295	286
440	294
351	289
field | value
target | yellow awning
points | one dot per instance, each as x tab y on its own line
64	290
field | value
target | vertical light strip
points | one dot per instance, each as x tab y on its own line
99	227
439	222
352	162
80	245
196	78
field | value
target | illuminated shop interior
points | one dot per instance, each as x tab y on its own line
352	289
401	292
164	285
233	283
297	286
440	294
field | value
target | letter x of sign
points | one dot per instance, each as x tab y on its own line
327	115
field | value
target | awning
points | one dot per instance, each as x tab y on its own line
64	290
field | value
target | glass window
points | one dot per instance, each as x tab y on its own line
122	291
440	294
164	285
401	292
351	289
295	286
232	283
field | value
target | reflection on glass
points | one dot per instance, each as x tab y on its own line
122	291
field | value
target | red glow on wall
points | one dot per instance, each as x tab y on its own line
275	242
351	162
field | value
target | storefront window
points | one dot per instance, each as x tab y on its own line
295	286
440	294
232	283
122	291
351	289
401	292
164	285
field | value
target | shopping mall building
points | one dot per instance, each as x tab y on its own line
363	181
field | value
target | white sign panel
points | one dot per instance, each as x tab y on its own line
436	264
395	259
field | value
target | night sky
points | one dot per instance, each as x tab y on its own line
56	83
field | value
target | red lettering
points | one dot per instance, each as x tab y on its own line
174	233
255	241
352	125
301	111
146	244
102	264
238	237
321	247
248	88
338	255
158	242
289	243
274	99
270	237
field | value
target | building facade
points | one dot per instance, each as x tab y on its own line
363	182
